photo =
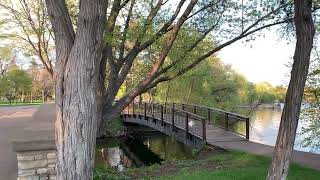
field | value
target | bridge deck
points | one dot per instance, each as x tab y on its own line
190	124
214	134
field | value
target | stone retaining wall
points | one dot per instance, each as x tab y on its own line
36	160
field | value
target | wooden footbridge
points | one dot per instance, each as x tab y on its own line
190	124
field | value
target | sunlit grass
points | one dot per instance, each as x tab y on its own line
20	103
231	165
243	166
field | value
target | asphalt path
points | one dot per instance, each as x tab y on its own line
17	123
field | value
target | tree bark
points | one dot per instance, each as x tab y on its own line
290	116
78	60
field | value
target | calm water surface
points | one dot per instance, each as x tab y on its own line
264	125
141	149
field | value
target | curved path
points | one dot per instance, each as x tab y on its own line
17	123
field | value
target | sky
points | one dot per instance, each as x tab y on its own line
263	59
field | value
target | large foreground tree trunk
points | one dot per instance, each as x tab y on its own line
290	116
78	59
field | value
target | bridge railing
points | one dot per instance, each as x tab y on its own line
178	118
226	120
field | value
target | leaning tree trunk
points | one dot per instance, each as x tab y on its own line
77	69
290	116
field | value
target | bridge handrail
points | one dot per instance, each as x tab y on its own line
176	109
187	116
244	119
212	109
227	117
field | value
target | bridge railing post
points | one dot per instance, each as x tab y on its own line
182	106
139	110
227	121
187	124
204	132
133	107
194	109
152	110
247	128
145	111
208	116
161	115
128	108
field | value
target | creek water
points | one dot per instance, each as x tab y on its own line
145	148
139	149
264	125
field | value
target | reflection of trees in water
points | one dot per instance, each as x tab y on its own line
168	148
113	157
140	151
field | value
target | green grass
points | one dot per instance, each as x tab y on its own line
231	165
20	103
243	166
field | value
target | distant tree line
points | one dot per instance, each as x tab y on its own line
22	85
213	84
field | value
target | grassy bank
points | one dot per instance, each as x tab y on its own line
231	165
20	103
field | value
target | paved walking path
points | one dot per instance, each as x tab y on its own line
17	123
304	158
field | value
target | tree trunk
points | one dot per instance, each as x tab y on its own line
42	92
77	69
290	116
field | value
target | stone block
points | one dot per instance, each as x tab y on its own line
21	157
51	155
51	170
32	164
39	156
52	177
33	177
42	171
51	165
26	172
52	161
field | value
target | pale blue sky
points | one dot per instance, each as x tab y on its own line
263	59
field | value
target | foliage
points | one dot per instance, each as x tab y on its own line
42	84
14	83
269	94
5	57
215	84
103	173
310	114
212	84
26	28
115	127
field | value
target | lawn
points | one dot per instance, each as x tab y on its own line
229	165
20	103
